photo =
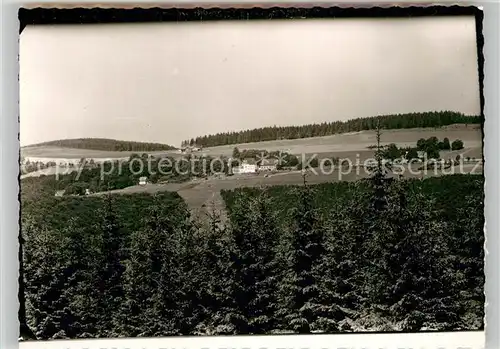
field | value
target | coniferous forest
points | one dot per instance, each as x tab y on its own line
373	255
398	121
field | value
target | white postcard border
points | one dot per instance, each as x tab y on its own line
9	210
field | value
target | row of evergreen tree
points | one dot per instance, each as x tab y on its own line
398	121
105	144
389	260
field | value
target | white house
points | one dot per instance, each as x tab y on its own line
247	166
143	180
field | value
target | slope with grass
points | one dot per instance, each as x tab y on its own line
104	144
398	121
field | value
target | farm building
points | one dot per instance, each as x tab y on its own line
247	166
143	180
190	149
268	165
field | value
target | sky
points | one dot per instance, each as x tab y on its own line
166	82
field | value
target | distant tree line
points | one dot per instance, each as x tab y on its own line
398	121
377	254
431	146
105	145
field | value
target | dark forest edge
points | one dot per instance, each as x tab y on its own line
104	144
397	121
371	255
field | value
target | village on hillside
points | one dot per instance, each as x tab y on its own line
253	165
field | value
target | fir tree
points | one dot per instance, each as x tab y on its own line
44	280
111	270
375	226
150	279
422	292
254	240
186	249
78	298
300	290
236	153
216	298
24	331
379	178
263	306
342	295
466	239
139	286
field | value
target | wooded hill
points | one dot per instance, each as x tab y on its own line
105	144
397	121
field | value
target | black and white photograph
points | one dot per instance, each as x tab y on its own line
245	172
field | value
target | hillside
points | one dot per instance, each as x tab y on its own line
397	121
429	240
105	144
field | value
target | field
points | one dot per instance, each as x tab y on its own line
359	141
73	153
340	143
351	146
204	195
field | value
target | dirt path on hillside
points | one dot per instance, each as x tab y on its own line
204	203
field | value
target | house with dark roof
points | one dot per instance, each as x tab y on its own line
268	165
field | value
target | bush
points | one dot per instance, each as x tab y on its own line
457	145
392	152
421	144
446	144
313	163
433	152
412	154
77	188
